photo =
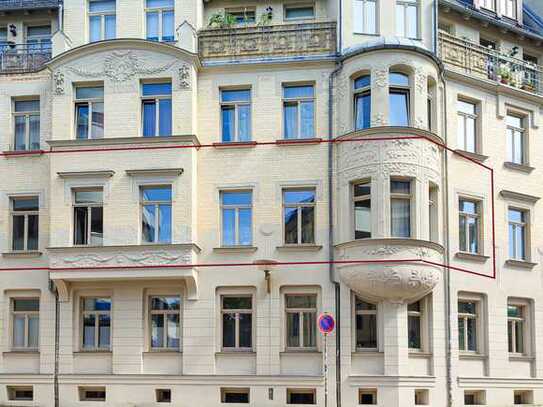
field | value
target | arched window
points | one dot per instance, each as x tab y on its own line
398	99
362	102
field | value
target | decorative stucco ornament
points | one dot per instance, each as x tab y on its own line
184	77
58	81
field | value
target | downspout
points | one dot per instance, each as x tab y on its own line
57	337
337	291
436	26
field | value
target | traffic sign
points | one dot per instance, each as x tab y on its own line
326	323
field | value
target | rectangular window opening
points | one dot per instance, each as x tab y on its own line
235	395
301	396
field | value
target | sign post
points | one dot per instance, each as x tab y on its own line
326	325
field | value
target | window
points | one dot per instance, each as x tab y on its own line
523	397
25	314
235	395
237	322
467	126
3	37
236	115
157	109
165	322
102	20
243	16
515	139
237	218
301	319
160	20
362	210
517	234
474	397
362	102
299	12
26	118
156	206
414	325
400	208
469	226
299	111
163	395
89	112
488	4
366	325
489	44
422	397
467	325
301	396
299	216
96	323
516	325
433	215
88	217
367	397
398	99
92	393
20	393
407	15
365	16
25	221
38	38
509	8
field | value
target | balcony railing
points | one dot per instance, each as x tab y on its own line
20	58
314	39
7	5
484	63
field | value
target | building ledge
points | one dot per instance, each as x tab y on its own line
123	141
300	352
22	153
517	196
93	352
86	174
480	258
369	352
525	358
299	248
163	352
236	353
518	167
474	156
235	144
22	254
520	264
420	354
472	356
163	172
21	352
235	249
297	142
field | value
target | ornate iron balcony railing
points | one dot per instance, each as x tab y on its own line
6	5
21	58
472	59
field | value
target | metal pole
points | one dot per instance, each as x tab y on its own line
325	372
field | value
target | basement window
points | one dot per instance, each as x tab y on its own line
20	393
235	395
422	397
474	398
163	395
367	397
92	394
523	397
301	396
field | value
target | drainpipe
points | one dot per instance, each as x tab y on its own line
57	336
337	291
436	26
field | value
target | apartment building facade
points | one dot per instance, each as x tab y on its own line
187	185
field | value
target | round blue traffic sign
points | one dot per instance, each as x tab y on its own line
326	323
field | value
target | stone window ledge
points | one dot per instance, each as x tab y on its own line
163	352
236	353
235	144
369	352
22	254
21	352
473	156
518	167
520	264
235	249
472	257
93	352
473	356
299	141
22	153
300	352
299	247
420	354
527	358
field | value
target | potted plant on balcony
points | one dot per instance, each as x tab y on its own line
504	75
221	20
266	17
528	86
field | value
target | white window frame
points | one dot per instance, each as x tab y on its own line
236	105
286	311
512	132
96	313
405	197
298	102
156	205
504	5
524	320
290	6
479	323
405	4
488	5
26	115
160	11
237	208
89	102
164	313
27	315
377	323
156	99
251	311
89	212
360	7
462	123
525	226
26	214
478	218
299	207
102	15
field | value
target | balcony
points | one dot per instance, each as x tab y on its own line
12	5
22	58
263	42
478	62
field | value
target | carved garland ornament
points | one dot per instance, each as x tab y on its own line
58	83
146	258
184	77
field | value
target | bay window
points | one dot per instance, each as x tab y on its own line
400	208
362	102
399	99
362	210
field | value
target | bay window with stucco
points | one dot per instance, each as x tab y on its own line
362	209
399	99
362	102
400	208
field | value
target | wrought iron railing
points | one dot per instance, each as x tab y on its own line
472	59
20	58
268	41
27	4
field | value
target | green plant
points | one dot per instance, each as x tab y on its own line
504	72
266	17
221	20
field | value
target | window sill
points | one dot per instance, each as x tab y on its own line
473	156
419	354
21	352
235	144
520	264
163	352
300	352
22	153
22	254
298	141
472	356
472	257
93	352
526	358
235	249
300	248
367	352
518	167
236	353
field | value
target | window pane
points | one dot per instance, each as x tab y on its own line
299	12
291	120
369	17
307	127
462	234
514	311
399	111
293	330
104	329
89	92
82	120
245	227
20	133
28	305
173	331
473	231
310	329
308	225
110	27
470	134
34	129
411	22
93	197
400	20
97	304
472	334
466	107
95	28
152	26
80	225
97	120
89	324
242	95
299	196
229	330
25	204
519	337
168	26
18	331
468	207
364	306
301	301
363	111
159	3
27	105
97	226
162	194
33	222
149	118
101	5
245	330
237	302
165	117
398	79
244	123
33	331
362	189
157	331
148	223
362	222
291	225
298	91
156	89
510	343
236	198
414	332
165	228
461	334
228	123
516	216
467	307
400	217
228	227
18	232
165	303
366	331
362	82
